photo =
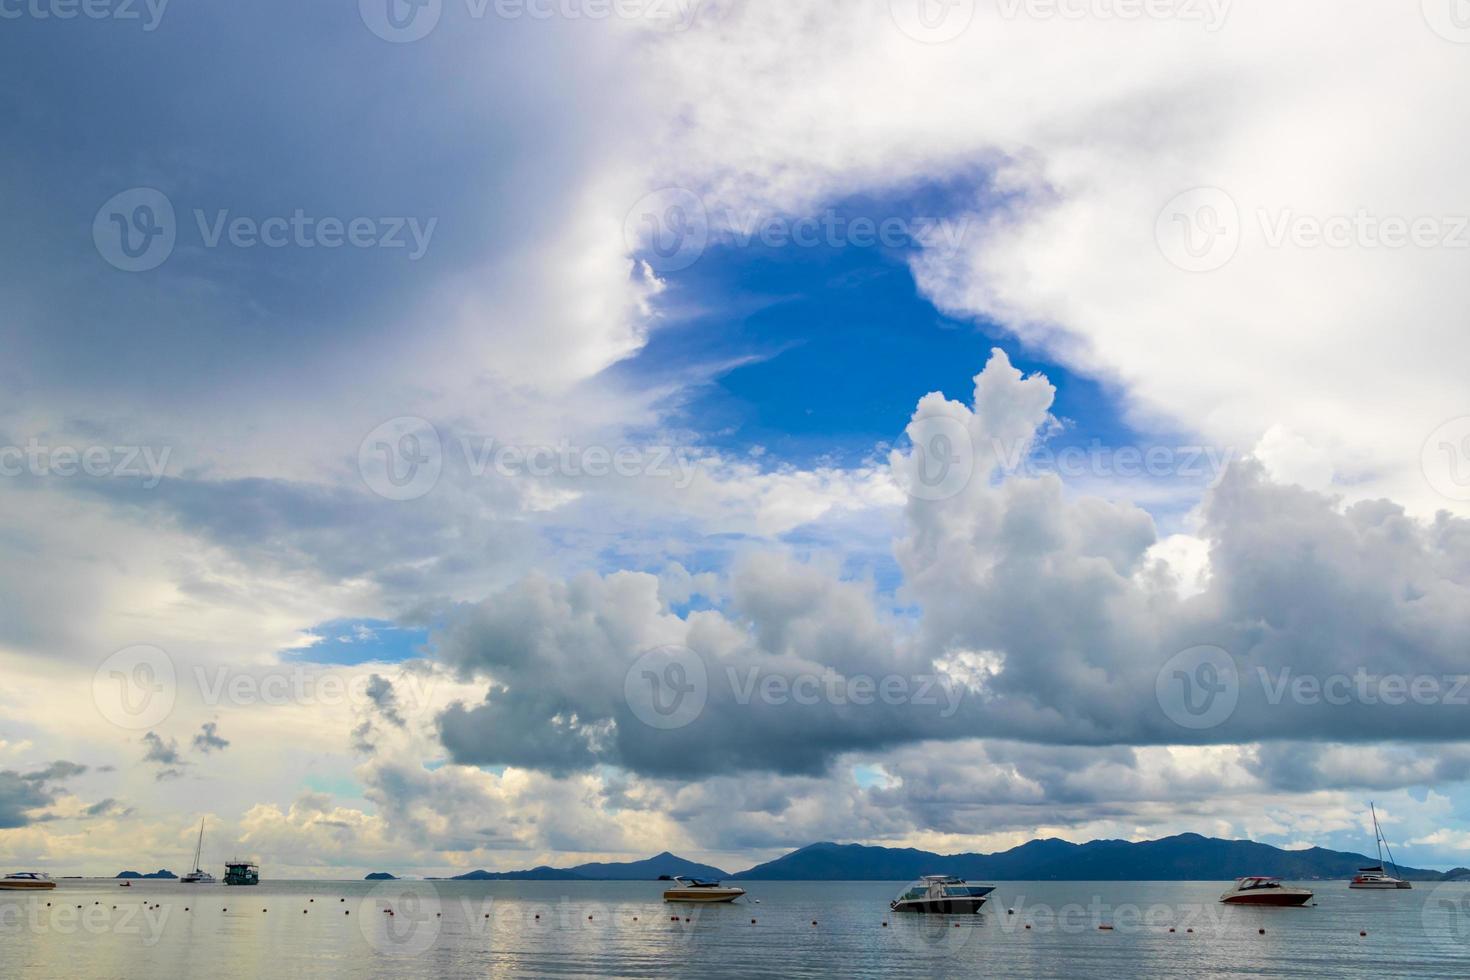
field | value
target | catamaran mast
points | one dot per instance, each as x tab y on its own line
199	847
1382	841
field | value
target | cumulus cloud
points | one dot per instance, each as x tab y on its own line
1035	618
208	738
24	794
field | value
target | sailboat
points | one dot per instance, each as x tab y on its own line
198	876
1376	877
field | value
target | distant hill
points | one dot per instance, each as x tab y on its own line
646	870
542	873
160	873
380	876
1185	857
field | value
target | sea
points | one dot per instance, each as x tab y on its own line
165	930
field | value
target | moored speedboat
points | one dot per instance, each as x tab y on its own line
944	894
26	881
1257	890
686	889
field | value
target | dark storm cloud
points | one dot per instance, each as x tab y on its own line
22	794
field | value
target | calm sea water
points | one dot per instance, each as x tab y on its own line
623	929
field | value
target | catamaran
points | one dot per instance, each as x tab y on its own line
198	876
1376	877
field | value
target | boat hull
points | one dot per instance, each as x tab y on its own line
704	896
26	886
941	906
1281	899
1379	885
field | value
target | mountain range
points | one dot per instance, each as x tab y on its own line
646	870
1184	857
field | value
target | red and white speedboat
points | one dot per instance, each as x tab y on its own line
1258	890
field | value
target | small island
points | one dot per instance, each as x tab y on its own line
380	876
160	873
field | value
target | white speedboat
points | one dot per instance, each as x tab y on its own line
1376	877
26	881
198	876
941	893
1258	890
699	890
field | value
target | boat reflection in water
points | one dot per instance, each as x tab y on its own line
943	894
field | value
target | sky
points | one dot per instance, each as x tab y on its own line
452	435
